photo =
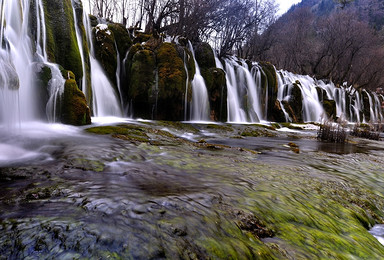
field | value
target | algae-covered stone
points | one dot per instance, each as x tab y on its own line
62	47
74	109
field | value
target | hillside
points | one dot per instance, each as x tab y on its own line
330	40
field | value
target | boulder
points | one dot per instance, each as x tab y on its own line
74	109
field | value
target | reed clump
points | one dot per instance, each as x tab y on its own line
370	131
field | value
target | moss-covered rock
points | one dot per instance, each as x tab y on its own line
141	75
141	37
171	83
74	110
204	56
62	47
122	38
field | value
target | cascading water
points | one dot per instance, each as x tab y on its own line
17	58
200	103
105	99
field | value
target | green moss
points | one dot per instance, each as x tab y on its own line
204	56
171	83
74	110
62	47
124	132
141	75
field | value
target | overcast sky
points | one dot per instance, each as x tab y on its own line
286	4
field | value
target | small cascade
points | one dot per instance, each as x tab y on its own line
282	86
244	88
105	99
200	103
235	111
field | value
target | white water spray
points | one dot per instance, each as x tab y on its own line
200	103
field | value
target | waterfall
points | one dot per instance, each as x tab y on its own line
200	103
186	87
235	112
83	86
105	99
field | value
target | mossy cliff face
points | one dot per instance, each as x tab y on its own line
62	47
74	109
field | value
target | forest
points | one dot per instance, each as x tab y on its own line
338	40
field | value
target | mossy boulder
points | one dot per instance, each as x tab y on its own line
141	81
105	50
122	38
171	83
74	109
217	92
62	47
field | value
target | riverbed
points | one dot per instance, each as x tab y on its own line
138	189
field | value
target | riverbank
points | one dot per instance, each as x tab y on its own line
145	189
